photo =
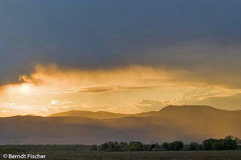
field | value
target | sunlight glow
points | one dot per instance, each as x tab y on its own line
132	89
25	89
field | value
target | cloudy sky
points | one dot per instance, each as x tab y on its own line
121	56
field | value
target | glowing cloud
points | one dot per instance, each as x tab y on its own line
51	89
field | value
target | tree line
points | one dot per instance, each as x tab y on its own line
228	143
136	146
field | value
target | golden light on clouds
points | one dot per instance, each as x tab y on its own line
21	89
129	89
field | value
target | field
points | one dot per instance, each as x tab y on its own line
168	155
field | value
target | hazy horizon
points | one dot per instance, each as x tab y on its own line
185	123
104	111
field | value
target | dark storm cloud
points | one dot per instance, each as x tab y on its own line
184	34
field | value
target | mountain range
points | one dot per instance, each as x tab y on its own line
186	123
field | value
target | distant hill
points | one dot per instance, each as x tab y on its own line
186	123
89	114
107	115
32	115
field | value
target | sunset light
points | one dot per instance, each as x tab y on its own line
84	79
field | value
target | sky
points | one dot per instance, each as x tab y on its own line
119	56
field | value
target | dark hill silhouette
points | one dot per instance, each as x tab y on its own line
89	114
187	123
171	109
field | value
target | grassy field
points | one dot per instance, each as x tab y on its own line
168	155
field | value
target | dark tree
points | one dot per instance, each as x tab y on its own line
208	144
193	146
176	145
111	147
165	146
104	147
136	146
93	147
147	147
238	142
227	143
124	146
117	146
154	147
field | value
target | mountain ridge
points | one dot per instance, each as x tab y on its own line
169	124
106	114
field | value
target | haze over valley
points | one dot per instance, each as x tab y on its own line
186	123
